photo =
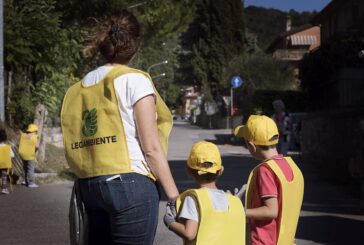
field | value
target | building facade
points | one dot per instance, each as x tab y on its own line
340	16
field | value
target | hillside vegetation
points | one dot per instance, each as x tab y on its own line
267	24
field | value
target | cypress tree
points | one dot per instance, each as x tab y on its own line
214	38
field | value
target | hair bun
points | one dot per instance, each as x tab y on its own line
117	38
115	28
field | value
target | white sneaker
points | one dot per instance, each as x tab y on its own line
33	185
23	182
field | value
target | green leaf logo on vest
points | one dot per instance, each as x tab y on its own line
89	127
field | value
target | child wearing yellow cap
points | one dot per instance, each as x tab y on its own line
275	187
5	161
206	215
28	145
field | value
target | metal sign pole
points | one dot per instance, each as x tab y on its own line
235	83
232	106
2	87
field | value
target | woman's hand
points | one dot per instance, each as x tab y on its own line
146	123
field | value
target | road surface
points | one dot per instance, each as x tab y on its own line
330	213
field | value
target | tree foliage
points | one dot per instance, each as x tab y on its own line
267	24
40	55
259	72
44	40
212	40
161	22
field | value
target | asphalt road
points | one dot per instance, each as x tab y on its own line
330	213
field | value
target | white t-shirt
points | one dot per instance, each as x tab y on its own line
190	208
11	150
129	89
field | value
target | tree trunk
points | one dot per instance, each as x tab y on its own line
40	119
8	100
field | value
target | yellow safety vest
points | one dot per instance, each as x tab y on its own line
27	146
5	156
93	131
216	227
292	196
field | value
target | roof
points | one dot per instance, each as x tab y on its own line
303	40
288	33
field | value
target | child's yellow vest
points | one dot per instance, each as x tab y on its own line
27	146
5	156
93	131
216	227
292	196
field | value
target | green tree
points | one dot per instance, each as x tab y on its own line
44	40
259	72
161	22
267	24
40	56
220	28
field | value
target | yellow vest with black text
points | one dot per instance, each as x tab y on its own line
216	227
292	196
93	131
27	146
5	156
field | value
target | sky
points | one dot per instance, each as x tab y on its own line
286	5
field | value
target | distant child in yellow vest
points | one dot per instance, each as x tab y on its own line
206	216
28	145
275	187
5	161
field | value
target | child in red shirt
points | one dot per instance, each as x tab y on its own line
265	189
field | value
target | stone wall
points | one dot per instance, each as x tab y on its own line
54	136
333	140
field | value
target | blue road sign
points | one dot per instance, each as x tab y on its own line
236	81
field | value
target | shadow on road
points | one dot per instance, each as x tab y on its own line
330	230
324	203
236	172
222	139
328	196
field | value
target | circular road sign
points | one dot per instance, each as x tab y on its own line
236	81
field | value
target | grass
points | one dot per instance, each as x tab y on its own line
55	162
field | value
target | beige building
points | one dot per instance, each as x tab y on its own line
294	43
189	101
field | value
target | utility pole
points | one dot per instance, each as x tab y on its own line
2	87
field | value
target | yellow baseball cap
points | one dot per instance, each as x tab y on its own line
259	130
32	128
202	152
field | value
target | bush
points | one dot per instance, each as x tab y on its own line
259	72
20	109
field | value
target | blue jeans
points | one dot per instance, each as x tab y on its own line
120	211
29	167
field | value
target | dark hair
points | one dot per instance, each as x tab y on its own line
117	38
207	177
3	136
268	147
